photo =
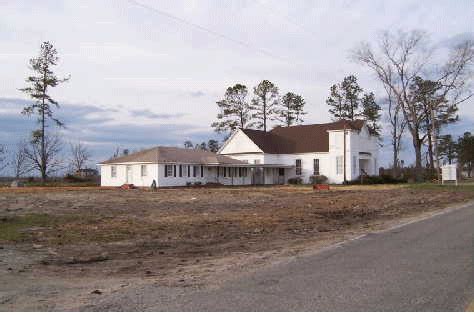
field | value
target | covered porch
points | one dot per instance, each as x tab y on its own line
249	174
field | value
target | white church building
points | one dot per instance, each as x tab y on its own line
255	157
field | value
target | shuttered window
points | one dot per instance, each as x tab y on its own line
316	167
298	167
168	170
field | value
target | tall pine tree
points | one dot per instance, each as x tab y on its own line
344	100
371	113
265	103
292	111
39	84
235	111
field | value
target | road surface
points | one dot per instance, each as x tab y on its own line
423	266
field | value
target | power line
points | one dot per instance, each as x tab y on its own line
206	30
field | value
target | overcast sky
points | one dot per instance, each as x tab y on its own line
149	72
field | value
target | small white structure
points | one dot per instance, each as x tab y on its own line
337	149
170	166
449	173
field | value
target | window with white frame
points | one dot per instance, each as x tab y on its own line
168	170
244	172
143	171
180	170
339	165
195	170
316	167
113	171
298	167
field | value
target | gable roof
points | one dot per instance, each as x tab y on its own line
299	139
162	154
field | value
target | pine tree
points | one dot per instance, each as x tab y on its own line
447	148
351	91
265	103
345	99
213	145
336	103
292	109
465	151
371	113
38	90
235	111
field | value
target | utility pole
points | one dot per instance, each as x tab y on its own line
345	176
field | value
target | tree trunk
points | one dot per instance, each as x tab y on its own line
430	150
43	151
395	158
264	114
417	143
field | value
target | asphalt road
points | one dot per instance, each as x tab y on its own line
424	266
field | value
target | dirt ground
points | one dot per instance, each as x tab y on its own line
60	245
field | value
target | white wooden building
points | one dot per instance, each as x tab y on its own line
253	157
170	166
308	150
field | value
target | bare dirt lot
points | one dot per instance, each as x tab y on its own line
58	245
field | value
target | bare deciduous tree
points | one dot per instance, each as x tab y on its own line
3	157
19	160
48	154
397	127
404	56
79	156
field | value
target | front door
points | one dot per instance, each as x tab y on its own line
257	176
281	176
129	174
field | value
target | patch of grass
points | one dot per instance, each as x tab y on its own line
463	186
11	228
61	184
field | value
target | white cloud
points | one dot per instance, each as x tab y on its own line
121	54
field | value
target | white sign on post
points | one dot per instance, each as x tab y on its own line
449	173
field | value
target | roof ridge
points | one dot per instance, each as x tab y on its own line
321	124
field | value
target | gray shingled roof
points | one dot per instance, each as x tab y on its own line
162	154
299	139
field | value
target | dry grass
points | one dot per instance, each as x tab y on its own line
87	230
